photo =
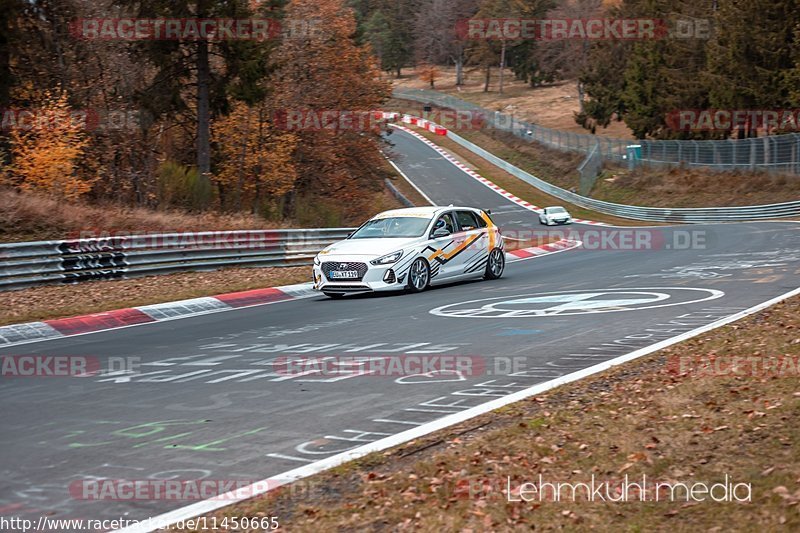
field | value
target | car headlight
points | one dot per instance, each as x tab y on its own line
316	260
388	259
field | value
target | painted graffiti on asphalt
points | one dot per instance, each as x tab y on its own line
567	303
472	394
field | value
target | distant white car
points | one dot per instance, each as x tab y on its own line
411	249
554	215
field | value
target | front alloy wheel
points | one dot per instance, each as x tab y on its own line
495	265
419	275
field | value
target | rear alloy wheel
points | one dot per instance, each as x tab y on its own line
419	275
495	265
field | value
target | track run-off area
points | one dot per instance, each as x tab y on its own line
215	397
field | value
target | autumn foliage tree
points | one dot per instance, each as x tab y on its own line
255	158
324	70
429	74
47	149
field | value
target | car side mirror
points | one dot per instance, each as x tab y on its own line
440	232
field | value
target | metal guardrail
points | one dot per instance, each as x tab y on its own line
692	215
774	153
398	194
28	264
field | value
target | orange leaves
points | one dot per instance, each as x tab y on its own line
327	71
47	155
254	158
429	74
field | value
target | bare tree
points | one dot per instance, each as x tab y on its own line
437	35
568	57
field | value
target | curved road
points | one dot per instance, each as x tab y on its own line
204	399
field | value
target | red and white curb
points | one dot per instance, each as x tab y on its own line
554	247
496	188
147	314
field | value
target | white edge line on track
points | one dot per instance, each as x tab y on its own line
427	198
245	493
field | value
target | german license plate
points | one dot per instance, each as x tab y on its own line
344	274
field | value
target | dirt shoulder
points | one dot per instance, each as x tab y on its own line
648	417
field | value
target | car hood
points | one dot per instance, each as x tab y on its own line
366	247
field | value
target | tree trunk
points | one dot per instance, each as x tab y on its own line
488	78
203	113
581	97
5	64
242	163
502	64
288	205
459	67
223	196
399	71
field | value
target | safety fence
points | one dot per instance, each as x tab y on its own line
692	215
773	154
590	170
29	264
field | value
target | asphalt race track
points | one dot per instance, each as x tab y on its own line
205	400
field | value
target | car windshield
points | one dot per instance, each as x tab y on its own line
556	210
392	227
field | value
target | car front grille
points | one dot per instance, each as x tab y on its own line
330	266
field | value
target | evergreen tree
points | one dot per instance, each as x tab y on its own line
753	55
184	67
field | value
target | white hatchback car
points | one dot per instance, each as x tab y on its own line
411	249
554	215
